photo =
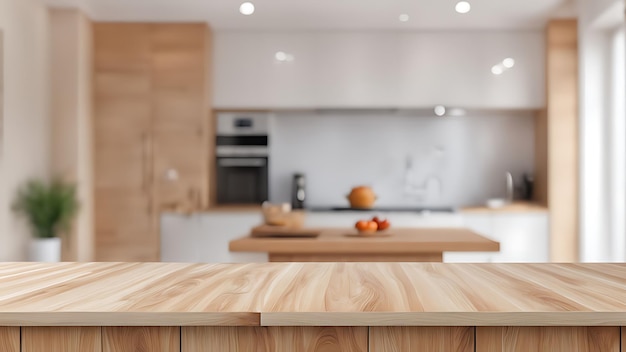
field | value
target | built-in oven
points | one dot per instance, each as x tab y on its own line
242	158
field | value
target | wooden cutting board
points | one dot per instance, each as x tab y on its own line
283	231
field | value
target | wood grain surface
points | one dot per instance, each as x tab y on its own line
275	339
547	339
61	339
131	339
623	339
352	257
563	130
407	241
122	104
540	187
233	208
515	207
423	339
10	339
323	294
151	89
283	231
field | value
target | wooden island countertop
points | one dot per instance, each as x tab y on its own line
403	245
316	307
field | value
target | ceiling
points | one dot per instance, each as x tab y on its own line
329	14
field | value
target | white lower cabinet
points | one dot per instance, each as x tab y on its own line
397	219
204	238
481	224
523	237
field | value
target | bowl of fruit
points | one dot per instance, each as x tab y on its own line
374	226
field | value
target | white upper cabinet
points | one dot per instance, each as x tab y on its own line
378	69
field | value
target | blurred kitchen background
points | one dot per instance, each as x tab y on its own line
177	119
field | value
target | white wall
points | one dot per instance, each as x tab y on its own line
617	138
378	69
591	12
469	155
85	222
594	146
25	136
602	220
71	61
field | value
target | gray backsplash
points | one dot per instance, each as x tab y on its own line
464	159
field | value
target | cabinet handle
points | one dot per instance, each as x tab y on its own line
150	205
146	151
150	161
195	196
243	162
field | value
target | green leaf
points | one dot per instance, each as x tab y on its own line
48	207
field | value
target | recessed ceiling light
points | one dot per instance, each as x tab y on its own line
404	18
508	62
247	8
463	7
440	110
497	70
281	56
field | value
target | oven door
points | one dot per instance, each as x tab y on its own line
242	180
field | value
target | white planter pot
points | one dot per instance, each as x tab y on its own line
46	250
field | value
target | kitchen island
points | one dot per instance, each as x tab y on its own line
342	245
311	307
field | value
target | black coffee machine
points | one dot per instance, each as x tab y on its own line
298	192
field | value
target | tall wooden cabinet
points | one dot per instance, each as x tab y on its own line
558	167
151	131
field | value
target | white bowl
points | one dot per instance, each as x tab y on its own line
495	203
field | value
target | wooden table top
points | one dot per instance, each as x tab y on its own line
316	294
402	240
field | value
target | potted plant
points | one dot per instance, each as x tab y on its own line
49	209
